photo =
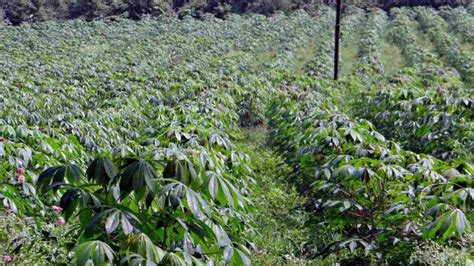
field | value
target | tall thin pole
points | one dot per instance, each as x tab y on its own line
336	39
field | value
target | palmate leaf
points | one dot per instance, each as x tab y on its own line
112	222
145	247
9	204
173	193
127	226
449	224
223	190
213	184
69	202
136	176
115	217
93	223
223	239
96	251
25	153
56	176
8	131
352	244
135	259
77	198
345	171
173	259
228	253
182	170
101	170
243	259
169	258
198	228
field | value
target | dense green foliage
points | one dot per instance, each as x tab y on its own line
170	184
446	45
460	21
436	121
370	51
403	34
375	195
379	198
121	141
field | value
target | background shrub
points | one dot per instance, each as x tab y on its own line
19	11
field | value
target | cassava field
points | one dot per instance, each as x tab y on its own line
191	142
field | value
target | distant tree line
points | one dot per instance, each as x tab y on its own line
19	11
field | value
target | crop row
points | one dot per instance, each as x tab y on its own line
134	140
319	65
371	41
446	45
427	112
460	20
404	35
373	195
